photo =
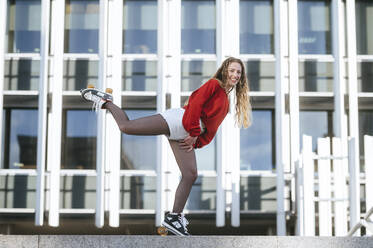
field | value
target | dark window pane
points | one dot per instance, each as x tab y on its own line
261	75
365	76
17	191
195	73
365	128
140	26
202	195
315	76
198	26
20	141
138	192
78	74
77	192
22	74
317	124
257	142
81	26
139	75
256	27
79	139
314	27
364	26
23	26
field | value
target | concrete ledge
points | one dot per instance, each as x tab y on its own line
117	241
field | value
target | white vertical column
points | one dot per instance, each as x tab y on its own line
354	186
101	117
368	144
294	84
3	18
325	194
55	115
308	188
353	101
279	115
42	113
114	81
340	190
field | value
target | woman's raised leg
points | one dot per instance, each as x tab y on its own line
150	125
188	167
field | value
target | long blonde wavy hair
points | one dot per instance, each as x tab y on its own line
243	105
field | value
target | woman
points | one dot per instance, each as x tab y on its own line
187	128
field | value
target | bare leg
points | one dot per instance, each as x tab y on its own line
188	167
150	125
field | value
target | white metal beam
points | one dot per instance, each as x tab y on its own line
55	115
3	21
368	144
354	186
42	112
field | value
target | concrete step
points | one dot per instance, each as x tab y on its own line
118	241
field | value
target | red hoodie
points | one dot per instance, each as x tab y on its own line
210	104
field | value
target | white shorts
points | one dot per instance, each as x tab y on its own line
174	119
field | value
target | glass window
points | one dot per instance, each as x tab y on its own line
365	128
140	26
364	26
257	142
317	124
365	76
195	73
315	76
20	141
81	26
77	74
139	75
17	191
78	192
261	75
79	134
256	27
198	26
314	27
21	74
206	156
138	192
23	26
134	147
203	194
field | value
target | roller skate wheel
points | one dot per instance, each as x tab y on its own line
161	230
90	86
109	90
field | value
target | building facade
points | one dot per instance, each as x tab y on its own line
310	67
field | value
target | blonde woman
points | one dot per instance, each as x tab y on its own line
187	128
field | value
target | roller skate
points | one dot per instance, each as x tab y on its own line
174	223
99	98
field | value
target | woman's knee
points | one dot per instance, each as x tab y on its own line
190	175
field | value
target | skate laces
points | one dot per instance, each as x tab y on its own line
97	102
183	221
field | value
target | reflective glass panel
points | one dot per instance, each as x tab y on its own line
314	27
17	191
206	156
77	74
196	72
261	75
22	74
365	128
315	76
23	26
365	76
203	194
79	134
81	26
317	124
138	192
77	192
139	75
20	141
364	26
257	148
258	193
140	26
198	26
134	147
256	26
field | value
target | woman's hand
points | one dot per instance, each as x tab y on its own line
187	143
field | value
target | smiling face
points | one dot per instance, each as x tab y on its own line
234	74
